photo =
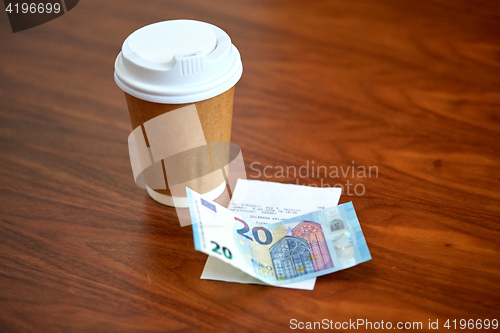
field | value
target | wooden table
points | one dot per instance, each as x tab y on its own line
410	87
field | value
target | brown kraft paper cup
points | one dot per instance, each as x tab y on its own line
215	116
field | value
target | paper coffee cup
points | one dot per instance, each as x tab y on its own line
174	64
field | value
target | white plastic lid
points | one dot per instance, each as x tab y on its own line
179	61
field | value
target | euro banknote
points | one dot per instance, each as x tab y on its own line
293	250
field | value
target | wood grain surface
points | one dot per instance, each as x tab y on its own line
411	87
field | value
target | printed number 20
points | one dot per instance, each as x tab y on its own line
225	250
255	232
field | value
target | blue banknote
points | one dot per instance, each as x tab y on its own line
296	249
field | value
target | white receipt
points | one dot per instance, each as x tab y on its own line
269	202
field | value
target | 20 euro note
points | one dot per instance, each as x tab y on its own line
293	250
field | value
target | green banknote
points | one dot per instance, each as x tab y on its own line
296	249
